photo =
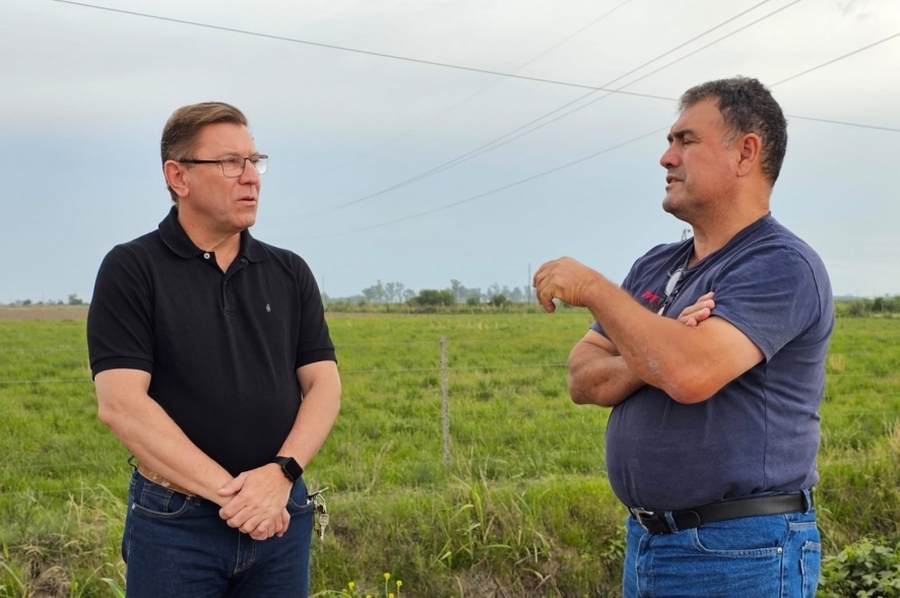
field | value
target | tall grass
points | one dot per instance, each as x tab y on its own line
524	508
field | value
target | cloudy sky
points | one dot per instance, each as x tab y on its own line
459	139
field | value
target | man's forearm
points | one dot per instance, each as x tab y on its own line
597	377
146	430
315	419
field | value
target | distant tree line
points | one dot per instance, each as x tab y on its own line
74	299
457	293
861	308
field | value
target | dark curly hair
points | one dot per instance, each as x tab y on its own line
747	106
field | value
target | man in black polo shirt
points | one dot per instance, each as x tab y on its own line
214	367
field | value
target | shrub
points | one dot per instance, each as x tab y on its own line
862	570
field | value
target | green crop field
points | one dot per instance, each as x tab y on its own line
513	502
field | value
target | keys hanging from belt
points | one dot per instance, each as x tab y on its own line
320	515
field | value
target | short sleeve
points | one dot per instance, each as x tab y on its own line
771	294
120	320
314	342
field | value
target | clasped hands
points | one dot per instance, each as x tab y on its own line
257	502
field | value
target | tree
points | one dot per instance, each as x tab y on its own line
518	295
394	291
458	290
499	300
433	298
375	293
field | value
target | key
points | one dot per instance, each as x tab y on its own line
320	515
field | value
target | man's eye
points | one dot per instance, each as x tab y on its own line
234	161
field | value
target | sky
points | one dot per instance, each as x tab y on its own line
420	141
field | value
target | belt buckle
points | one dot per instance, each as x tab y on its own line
652	521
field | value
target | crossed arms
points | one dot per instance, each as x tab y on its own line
689	358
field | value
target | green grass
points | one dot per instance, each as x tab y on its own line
523	506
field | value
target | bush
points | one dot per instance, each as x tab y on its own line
499	300
862	570
432	298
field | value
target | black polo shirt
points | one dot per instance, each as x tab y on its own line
222	348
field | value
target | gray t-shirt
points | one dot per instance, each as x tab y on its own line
760	433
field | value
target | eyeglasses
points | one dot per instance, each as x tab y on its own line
233	166
670	291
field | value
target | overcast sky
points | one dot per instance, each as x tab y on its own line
84	93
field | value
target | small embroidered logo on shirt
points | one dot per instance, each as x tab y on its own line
268	308
650	296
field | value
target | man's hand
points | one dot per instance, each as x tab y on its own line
258	502
564	279
699	311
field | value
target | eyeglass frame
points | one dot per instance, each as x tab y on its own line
233	160
671	290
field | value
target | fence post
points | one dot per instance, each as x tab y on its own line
445	404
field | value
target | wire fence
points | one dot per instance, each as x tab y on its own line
451	420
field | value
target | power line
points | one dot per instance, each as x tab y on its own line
483	89
512	135
502	74
824	64
492	191
493	144
344	48
579	160
844	123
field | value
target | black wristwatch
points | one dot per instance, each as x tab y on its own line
289	467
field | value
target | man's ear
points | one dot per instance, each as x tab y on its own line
750	146
176	177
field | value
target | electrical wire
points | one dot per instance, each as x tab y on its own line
594	155
341	48
518	132
496	190
824	64
479	92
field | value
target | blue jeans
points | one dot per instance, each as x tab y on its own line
772	556
177	546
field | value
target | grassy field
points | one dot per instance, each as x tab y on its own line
523	508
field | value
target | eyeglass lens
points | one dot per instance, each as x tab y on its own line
234	167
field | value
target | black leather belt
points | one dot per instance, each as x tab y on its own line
656	522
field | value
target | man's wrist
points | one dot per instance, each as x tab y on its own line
594	290
291	469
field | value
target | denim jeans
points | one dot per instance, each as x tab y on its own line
177	546
771	556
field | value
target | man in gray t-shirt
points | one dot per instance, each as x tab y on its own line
711	356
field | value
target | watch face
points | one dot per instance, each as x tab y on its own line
291	468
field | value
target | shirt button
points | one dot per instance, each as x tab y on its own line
206	256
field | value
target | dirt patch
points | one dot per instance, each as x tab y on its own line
44	312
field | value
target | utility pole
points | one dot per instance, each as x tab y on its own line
528	284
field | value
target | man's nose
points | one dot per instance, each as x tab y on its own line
250	175
669	158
